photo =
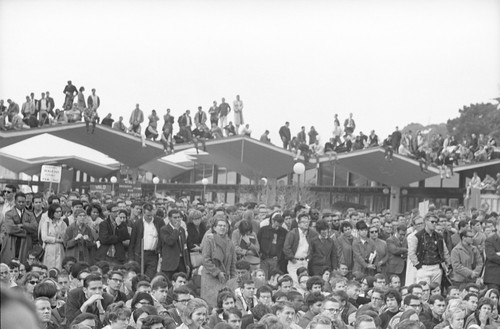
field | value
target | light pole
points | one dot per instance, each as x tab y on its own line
156	180
298	169
204	181
113	181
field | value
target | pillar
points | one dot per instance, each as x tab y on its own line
395	200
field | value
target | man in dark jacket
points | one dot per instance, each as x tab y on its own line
271	241
88	299
146	236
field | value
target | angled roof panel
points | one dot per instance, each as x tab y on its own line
120	146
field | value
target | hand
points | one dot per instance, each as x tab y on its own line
222	277
474	275
371	266
294	261
85	237
93	299
79	236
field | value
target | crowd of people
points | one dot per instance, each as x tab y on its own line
98	261
428	149
443	152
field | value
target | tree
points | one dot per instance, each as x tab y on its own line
478	119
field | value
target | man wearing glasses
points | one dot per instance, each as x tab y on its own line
409	302
466	260
182	296
429	253
174	251
8	196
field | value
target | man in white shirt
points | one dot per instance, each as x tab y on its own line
297	246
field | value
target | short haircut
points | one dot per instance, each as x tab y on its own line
284	278
409	298
279	294
412	287
392	293
90	278
179	275
340	295
82	317
292	295
222	296
362	318
159	284
117	311
314	280
313	298
148	309
243	265
232	310
180	291
345	225
263	289
433	299
322	225
45	289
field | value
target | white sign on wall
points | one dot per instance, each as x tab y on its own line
51	174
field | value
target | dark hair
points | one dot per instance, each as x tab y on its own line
259	310
180	291
45	289
150	320
433	299
232	310
321	225
82	317
392	293
263	289
19	194
408	298
91	277
148	309
361	225
464	232
179	275
173	212
222	296
245	227
52	210
140	296
314	280
52	198
412	287
277	295
116	311
313	298
344	225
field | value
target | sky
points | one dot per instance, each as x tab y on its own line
389	62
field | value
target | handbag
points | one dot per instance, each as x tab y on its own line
196	259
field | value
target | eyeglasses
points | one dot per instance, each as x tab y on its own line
7	191
33	282
376	298
433	221
373	231
333	310
117	280
415	305
184	301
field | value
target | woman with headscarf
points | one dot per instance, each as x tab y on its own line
219	260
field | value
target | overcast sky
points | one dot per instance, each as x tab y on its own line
388	62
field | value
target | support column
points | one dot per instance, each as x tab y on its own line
395	201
